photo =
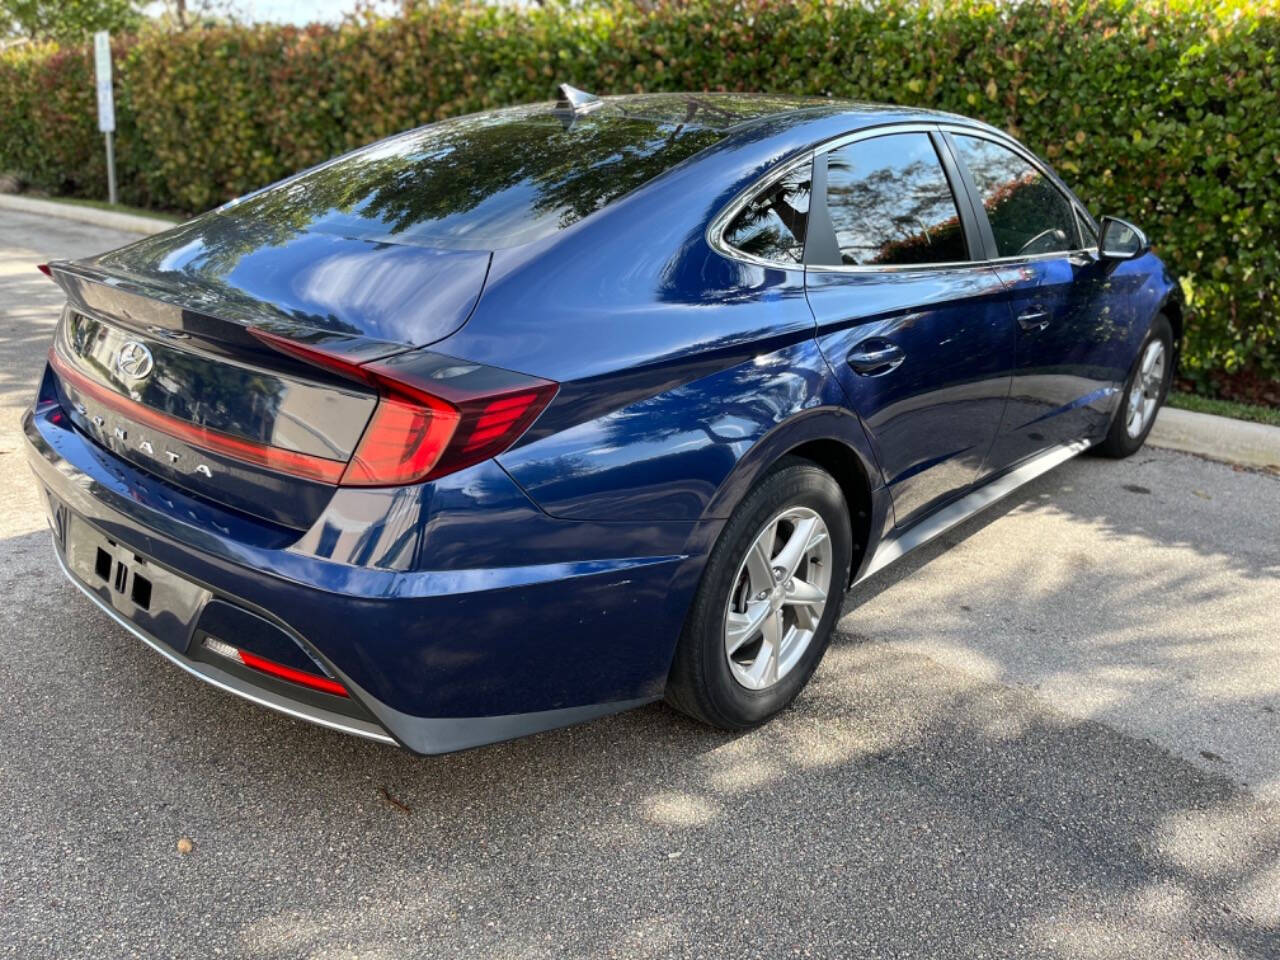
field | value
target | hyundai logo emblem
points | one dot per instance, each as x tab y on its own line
134	360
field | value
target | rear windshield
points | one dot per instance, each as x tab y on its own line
481	182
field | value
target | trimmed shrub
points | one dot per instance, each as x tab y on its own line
1164	112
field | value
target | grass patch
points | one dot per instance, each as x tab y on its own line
114	207
1224	408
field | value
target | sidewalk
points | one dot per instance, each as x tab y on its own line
111	219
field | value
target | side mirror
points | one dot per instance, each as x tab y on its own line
1121	240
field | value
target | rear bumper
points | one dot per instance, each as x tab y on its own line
442	659
226	681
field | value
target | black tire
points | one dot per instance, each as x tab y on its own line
1118	442
701	683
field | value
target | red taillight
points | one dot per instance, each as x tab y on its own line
44	268
434	415
497	418
237	448
402	442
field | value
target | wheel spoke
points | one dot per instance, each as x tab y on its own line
804	594
741	627
793	551
807	617
759	564
1155	378
765	670
765	665
771	668
1149	360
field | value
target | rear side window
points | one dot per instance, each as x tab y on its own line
1028	214
772	225
890	203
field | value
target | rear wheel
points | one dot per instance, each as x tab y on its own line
769	598
1144	393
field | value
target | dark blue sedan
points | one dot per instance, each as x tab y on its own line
536	415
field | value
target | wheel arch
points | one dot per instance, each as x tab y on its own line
832	438
1172	307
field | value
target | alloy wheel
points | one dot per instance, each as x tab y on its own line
778	598
1144	393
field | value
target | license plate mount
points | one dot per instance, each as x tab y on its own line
156	600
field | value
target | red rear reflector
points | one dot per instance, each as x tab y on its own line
435	414
262	664
312	680
44	268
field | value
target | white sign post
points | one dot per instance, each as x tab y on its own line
106	104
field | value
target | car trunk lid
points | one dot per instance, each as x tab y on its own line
201	404
248	404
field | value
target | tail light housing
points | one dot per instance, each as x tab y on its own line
435	414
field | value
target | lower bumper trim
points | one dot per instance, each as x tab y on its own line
232	684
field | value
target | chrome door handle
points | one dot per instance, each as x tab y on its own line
1033	319
874	359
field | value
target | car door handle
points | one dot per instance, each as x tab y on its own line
873	358
1034	319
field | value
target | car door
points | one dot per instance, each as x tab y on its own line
1066	317
916	328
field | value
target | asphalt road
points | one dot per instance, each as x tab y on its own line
1055	734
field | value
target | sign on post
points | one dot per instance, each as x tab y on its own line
106	103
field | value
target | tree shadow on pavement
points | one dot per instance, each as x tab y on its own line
902	807
1149	610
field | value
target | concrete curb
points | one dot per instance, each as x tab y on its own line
1236	441
131	223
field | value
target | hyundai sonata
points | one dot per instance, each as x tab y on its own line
536	415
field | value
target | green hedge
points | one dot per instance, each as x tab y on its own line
1167	112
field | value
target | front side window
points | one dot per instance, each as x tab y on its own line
1028	214
772	225
890	203
1087	229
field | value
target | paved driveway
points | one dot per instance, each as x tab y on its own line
1056	734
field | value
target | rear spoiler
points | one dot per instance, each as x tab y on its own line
219	327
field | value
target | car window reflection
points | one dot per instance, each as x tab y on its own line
772	226
890	203
480	182
1028	214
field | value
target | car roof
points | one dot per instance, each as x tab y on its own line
740	113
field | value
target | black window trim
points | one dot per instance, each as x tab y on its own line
963	189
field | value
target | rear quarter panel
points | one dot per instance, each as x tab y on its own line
674	361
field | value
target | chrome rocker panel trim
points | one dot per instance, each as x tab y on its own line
231	684
968	506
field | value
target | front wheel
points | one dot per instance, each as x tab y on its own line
1144	393
768	602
